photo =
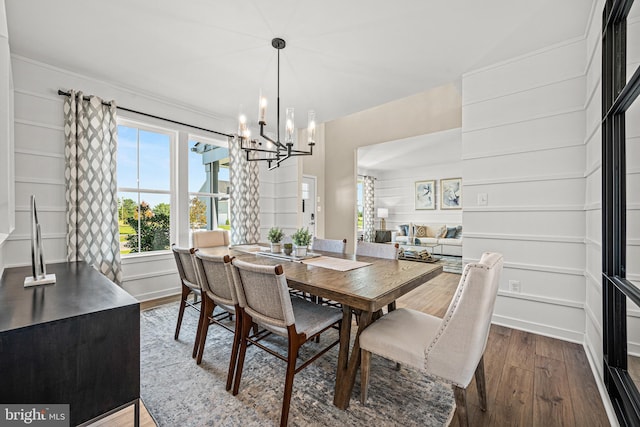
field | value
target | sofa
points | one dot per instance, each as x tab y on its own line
447	235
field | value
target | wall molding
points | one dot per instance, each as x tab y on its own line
153	295
594	320
592	242
519	91
38	124
38	153
525	237
535	267
595	206
538	298
514	151
54	98
45	181
42	209
528	119
134	277
539	328
550	177
147	257
530	208
597	375
593	169
49	236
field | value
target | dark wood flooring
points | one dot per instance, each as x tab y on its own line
532	380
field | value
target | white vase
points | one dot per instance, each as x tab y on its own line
275	248
300	251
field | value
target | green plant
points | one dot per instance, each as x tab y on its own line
275	235
301	237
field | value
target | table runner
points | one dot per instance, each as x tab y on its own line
335	263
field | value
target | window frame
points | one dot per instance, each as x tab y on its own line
173	135
617	96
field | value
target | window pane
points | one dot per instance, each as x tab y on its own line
127	219
203	210
632	152
127	157
155	156
633	39
150	223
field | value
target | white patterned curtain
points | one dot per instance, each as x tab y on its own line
368	217
91	136
244	196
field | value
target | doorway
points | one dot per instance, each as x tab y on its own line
308	195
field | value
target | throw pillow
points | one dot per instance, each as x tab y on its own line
421	231
442	232
458	232
451	232
401	231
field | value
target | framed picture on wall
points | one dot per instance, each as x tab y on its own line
425	197
451	193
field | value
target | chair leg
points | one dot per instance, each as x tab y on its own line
461	405
183	303
208	306
237	336
201	320
246	327
365	363
292	354
481	384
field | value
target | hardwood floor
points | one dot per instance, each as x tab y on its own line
531	380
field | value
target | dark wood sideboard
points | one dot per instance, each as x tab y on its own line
75	342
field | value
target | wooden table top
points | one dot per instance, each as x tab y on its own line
367	288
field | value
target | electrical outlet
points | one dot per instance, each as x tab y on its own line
514	285
483	199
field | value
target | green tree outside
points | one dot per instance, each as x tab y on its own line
154	229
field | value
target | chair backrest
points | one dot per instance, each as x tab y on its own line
377	250
209	238
186	269
216	278
330	245
263	293
460	342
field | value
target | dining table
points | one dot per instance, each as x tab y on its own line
362	291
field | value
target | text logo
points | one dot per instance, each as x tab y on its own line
39	415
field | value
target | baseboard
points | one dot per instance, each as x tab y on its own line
604	396
539	329
154	295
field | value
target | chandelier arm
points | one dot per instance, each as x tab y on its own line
276	143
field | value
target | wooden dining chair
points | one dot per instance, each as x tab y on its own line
210	238
217	291
450	348
190	286
264	298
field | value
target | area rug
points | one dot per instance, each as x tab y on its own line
177	392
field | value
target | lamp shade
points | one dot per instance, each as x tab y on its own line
383	213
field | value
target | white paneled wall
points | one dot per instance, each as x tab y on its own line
593	189
395	190
523	136
39	148
279	197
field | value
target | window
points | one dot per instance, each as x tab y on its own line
620	222
208	185
144	187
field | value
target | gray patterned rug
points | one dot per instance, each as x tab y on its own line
177	392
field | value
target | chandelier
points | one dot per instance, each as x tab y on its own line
273	151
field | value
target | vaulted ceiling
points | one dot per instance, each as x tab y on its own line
342	56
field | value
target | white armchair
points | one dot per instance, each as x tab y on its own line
450	348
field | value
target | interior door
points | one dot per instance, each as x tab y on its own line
308	192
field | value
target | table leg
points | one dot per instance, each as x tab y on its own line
348	365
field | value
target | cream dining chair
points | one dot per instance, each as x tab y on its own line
190	286
450	348
210	238
379	250
329	245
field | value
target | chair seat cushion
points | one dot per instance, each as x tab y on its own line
402	336
311	318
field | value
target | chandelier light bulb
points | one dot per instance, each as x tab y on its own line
262	113
311	128
242	125
290	126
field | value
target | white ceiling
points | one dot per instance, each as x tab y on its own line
342	56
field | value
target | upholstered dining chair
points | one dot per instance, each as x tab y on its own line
210	238
450	348
264	298
329	245
217	291
379	250
190	286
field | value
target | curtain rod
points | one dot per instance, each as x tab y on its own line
86	98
